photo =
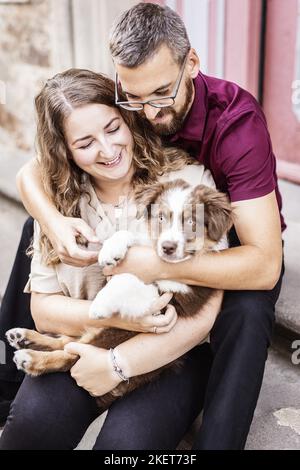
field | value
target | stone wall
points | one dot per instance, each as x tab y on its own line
37	39
25	61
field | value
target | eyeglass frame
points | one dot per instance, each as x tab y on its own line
150	102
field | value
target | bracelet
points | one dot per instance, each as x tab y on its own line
116	368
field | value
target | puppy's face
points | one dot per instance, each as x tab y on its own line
183	220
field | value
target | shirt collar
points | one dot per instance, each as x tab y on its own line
193	125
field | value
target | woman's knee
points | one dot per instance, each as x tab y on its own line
248	307
49	412
26	423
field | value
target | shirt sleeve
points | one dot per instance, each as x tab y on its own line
245	155
42	278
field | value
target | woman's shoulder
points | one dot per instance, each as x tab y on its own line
193	174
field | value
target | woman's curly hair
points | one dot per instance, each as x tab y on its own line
62	178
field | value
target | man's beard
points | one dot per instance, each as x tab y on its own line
177	117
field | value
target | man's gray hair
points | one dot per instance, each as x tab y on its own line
139	32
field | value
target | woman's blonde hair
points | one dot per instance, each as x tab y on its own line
62	178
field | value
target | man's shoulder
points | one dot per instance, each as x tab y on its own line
232	100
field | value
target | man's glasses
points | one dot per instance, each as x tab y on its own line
163	102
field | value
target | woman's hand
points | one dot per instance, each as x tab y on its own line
62	232
153	322
93	371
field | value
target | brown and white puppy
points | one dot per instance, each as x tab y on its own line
185	221
180	221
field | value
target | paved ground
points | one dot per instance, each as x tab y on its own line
276	424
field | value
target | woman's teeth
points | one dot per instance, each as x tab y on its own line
113	162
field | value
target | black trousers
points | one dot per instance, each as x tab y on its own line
225	377
15	306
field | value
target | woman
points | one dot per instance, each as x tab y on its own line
91	155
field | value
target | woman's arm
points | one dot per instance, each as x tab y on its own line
142	353
58	314
60	230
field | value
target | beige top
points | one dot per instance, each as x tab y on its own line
85	283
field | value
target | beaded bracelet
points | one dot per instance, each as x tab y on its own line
116	368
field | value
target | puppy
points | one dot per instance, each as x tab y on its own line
179	221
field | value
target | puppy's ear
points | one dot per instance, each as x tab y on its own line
147	195
218	213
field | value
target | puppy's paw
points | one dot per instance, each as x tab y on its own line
35	363
115	248
17	338
126	295
98	308
23	360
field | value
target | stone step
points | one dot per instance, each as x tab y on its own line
288	305
10	163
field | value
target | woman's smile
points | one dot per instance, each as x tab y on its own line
114	162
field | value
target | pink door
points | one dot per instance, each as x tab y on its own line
281	92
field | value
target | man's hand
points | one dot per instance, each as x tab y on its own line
62	234
141	261
93	371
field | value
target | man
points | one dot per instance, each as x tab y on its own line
225	129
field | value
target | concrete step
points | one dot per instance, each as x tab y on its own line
288	305
10	163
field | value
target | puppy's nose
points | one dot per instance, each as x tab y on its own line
169	247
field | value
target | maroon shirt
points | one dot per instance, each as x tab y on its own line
226	130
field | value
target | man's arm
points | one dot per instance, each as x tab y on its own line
61	231
244	155
254	266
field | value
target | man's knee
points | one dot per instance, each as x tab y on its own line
41	418
246	315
